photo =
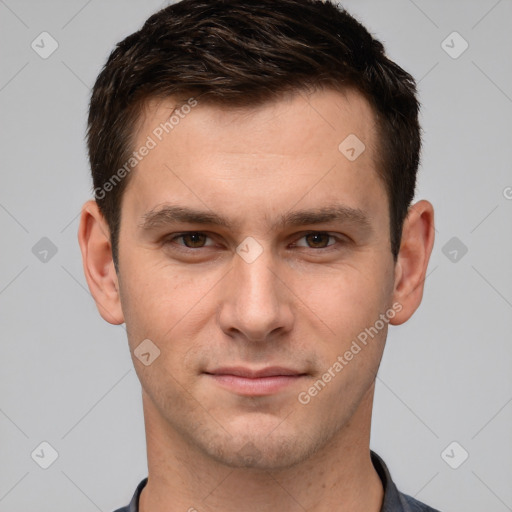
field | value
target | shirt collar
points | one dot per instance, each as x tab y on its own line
392	501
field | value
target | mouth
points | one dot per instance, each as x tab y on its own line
250	382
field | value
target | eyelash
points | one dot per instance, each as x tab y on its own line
171	240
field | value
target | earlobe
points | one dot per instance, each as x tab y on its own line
94	240
412	262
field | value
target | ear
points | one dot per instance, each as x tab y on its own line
412	261
100	273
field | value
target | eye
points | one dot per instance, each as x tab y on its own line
316	240
191	240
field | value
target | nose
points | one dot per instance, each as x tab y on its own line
256	302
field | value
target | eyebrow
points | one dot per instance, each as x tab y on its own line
171	214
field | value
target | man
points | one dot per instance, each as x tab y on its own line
254	163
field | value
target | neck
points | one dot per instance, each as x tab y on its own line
338	477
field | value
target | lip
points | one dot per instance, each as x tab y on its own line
240	371
250	382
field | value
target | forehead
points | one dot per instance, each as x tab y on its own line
305	148
301	114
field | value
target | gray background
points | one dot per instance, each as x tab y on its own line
66	376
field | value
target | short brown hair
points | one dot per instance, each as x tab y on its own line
244	53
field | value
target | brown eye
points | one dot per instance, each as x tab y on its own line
194	240
318	240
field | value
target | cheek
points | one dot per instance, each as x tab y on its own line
168	306
346	300
156	295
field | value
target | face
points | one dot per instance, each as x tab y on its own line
253	253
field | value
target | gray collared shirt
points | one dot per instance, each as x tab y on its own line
394	500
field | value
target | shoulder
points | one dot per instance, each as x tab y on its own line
133	506
413	505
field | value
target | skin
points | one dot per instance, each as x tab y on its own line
300	304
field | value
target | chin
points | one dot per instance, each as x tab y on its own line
261	450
